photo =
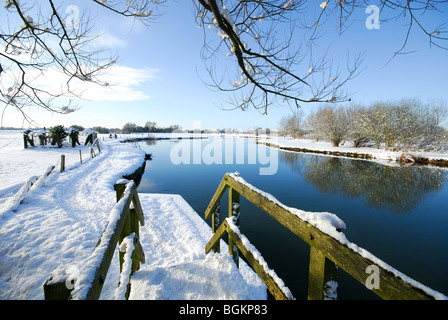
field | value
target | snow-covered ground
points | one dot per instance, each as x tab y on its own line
380	155
59	221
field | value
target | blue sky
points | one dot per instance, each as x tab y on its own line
159	69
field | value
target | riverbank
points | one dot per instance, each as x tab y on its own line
62	220
62	216
349	151
303	145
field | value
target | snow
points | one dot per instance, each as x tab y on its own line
330	290
257	255
177	236
53	226
380	155
52	221
89	266
126	246
331	225
327	222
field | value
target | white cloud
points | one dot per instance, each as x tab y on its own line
122	84
116	83
105	39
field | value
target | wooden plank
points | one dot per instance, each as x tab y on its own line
216	197
234	211
125	231
101	271
391	286
215	225
140	253
270	283
215	238
122	228
50	170
138	209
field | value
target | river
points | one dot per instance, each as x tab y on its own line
398	213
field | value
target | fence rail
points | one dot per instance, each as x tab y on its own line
31	185
123	224
326	251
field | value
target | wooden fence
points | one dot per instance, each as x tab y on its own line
326	251
124	224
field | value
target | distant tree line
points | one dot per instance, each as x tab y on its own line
152	127
131	128
406	124
97	129
148	127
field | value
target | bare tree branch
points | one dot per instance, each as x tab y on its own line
272	70
50	39
264	52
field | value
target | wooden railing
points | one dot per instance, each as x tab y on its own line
32	184
92	152
326	252
123	224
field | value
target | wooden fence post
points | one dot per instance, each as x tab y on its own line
327	252
134	228
119	190
215	225
56	289
62	162
136	219
234	213
322	270
25	141
131	225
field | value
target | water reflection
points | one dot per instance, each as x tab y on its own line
397	188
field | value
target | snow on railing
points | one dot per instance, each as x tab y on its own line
329	248
30	186
259	258
127	247
122	227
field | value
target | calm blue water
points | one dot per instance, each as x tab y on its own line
397	213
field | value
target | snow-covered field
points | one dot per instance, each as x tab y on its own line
379	155
59	221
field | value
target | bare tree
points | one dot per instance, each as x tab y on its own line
433	135
357	132
268	64
38	36
293	125
404	124
330	123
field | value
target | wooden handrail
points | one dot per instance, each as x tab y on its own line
123	221
272	281
328	249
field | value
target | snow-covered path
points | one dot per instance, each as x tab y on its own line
60	222
176	268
